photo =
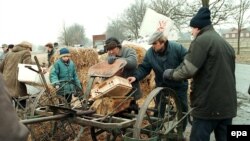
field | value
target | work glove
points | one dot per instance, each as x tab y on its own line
168	74
111	59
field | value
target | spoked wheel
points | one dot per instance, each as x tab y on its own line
98	134
160	120
61	129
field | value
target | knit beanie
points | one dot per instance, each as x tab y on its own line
112	43
201	19
64	52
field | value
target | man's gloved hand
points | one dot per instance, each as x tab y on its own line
111	59
168	74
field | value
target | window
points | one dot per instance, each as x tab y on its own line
241	34
227	36
233	35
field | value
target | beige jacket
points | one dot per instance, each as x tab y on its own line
9	68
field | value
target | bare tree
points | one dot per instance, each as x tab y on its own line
133	16
72	35
180	11
116	29
174	9
241	19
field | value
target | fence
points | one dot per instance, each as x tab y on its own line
244	44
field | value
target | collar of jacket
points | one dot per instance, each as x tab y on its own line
66	63
206	28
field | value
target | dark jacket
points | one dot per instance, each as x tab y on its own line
11	129
50	54
9	68
172	57
61	72
211	63
129	54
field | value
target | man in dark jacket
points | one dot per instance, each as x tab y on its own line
51	51
163	55
211	63
116	51
11	129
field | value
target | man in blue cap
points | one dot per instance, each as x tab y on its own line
163	54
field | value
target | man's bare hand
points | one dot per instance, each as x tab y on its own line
131	79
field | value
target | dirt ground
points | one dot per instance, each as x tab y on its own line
243	58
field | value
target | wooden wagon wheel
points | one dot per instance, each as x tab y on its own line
156	120
62	129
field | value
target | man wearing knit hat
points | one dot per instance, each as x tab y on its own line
163	54
63	71
9	67
210	61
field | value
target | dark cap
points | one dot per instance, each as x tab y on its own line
112	43
201	19
50	45
10	46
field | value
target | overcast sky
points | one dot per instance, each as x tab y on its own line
41	21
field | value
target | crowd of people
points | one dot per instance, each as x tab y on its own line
209	62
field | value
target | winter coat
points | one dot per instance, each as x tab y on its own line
11	129
9	68
170	59
211	63
61	73
50	54
129	54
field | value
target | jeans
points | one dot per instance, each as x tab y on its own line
202	128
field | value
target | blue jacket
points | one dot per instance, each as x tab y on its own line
64	71
170	59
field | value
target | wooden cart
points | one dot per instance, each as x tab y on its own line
52	118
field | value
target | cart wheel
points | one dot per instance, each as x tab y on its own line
104	135
62	129
162	120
